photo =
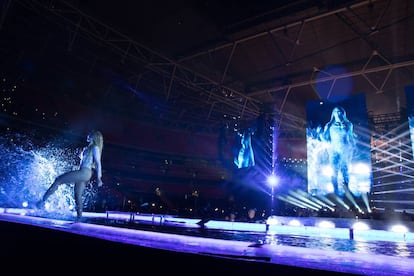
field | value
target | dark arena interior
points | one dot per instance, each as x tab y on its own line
239	136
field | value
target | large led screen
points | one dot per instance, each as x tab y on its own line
338	147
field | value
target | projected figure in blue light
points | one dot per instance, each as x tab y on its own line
245	156
90	161
339	135
411	127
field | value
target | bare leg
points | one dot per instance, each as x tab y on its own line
78	191
52	189
82	175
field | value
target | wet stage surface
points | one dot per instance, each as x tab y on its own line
230	246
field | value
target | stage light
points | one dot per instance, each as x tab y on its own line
365	200
295	222
273	180
341	202
304	197
360	226
399	228
326	224
272	220
294	201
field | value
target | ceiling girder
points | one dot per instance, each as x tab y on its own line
152	60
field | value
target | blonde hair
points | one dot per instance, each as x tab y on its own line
97	139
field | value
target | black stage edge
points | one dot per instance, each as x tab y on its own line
47	248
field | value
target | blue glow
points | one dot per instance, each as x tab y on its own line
27	170
272	180
351	155
399	228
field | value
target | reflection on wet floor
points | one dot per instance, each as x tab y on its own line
391	248
368	252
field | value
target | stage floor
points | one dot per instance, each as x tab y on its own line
333	250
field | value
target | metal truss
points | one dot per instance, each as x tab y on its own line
224	101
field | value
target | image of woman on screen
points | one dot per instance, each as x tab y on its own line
339	135
245	156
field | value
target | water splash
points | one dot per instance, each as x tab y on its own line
320	172
27	170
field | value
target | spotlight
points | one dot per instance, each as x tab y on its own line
272	180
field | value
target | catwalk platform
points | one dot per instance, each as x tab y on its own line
162	243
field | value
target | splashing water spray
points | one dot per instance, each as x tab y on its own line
27	171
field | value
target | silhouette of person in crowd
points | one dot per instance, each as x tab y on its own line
339	134
90	161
